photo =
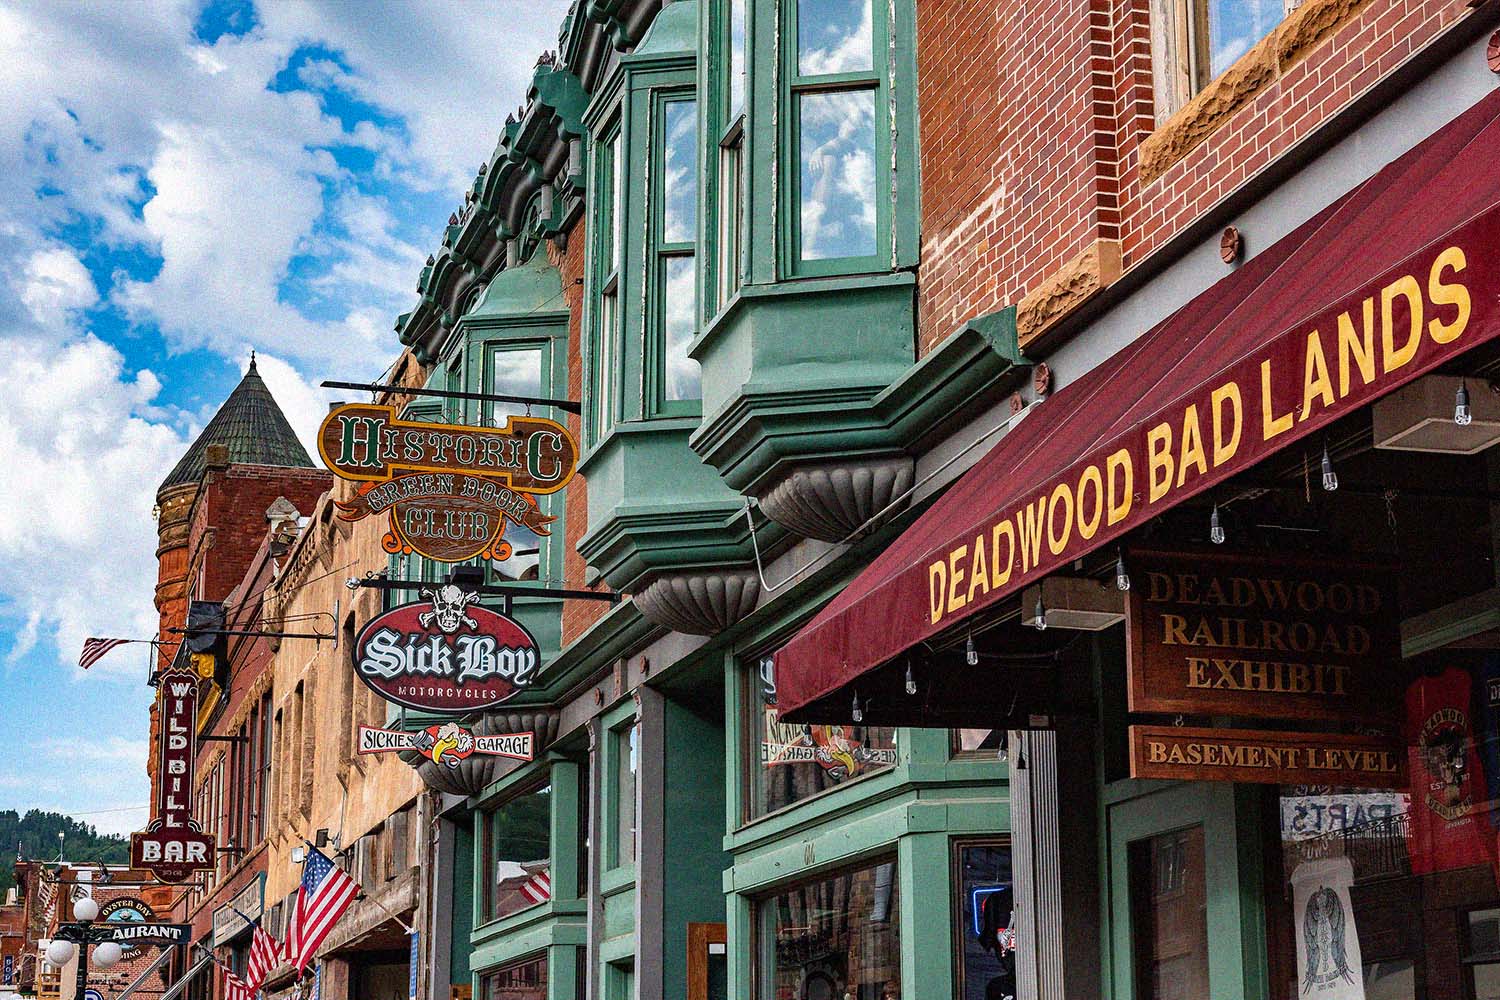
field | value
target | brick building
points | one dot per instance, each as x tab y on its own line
857	300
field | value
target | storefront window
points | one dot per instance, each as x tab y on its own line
1483	953
984	903
625	807
1169	900
519	853
790	761
982	744
832	939
524	980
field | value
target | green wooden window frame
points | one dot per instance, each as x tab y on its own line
607	247
616	744
485	899
798	88
663	254
723	215
485	353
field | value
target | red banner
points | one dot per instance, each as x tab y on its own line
1446	782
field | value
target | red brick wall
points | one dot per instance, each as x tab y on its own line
1031	121
232	504
577	616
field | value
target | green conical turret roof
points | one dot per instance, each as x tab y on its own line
254	429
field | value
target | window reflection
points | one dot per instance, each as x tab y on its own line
679	171
736	58
837	143
833	36
520	852
513	371
678	326
625	774
833	939
524	980
1234	26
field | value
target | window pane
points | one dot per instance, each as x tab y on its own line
522	981
731	218
1168	895
833	36
520	833
736	58
616	203
678	311
837	143
799	761
832	939
609	228
525	549
625	769
984	897
604	365
1234	26
679	175
513	371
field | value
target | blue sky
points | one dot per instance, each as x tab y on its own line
183	182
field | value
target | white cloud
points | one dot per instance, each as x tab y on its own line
82	470
55	283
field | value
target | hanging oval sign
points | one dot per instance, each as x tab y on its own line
446	654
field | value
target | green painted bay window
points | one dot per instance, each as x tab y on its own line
517	368
812	124
723	165
604	327
671	290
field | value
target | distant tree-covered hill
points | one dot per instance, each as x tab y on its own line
36	835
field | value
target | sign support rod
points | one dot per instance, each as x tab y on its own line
506	590
571	406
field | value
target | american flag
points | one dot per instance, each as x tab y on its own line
326	892
236	988
538	888
94	650
265	953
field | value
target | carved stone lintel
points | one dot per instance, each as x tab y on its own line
829	501
699	602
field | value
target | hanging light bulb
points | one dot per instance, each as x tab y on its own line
911	682
1461	415
971	655
1215	528
1330	478
1040	611
857	713
1122	578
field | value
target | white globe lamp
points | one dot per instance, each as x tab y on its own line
60	953
85	909
107	955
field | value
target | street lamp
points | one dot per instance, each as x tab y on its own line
107	953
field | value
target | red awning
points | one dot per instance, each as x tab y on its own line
1318	325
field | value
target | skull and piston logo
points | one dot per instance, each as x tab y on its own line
446	653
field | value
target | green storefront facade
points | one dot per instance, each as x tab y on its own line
630	245
704	226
